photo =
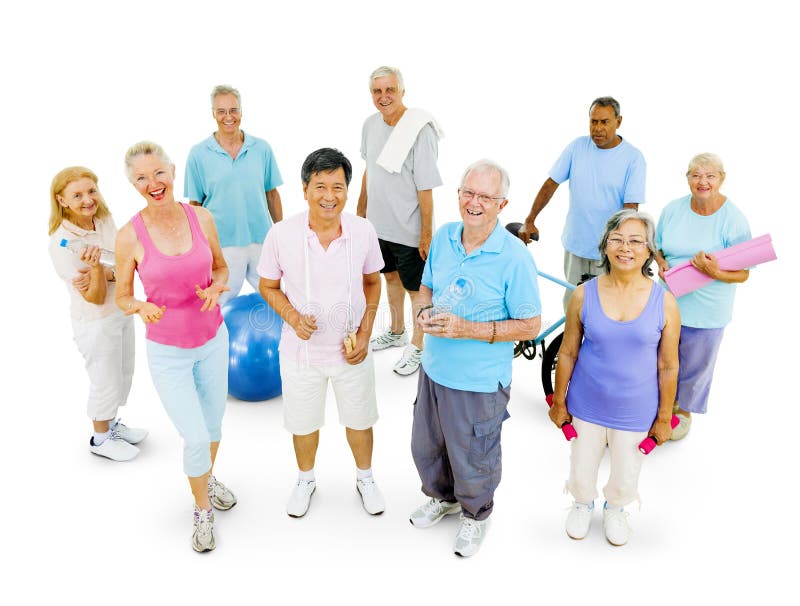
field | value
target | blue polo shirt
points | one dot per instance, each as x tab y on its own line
234	191
600	182
502	284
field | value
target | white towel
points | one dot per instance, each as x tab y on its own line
403	136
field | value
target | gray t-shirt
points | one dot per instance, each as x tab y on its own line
392	204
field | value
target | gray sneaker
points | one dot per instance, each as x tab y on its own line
203	538
388	339
470	536
132	435
409	363
432	512
220	495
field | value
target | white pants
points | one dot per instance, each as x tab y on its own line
242	263
305	388
587	452
107	346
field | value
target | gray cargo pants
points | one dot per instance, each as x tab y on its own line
455	442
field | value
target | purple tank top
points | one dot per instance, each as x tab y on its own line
170	280
615	381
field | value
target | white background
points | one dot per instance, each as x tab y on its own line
83	81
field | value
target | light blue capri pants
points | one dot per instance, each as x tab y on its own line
193	387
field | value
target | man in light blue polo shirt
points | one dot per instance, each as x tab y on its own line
481	294
235	176
606	174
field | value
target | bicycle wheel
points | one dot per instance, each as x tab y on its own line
549	361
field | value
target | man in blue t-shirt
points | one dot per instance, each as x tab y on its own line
235	176
480	295
606	174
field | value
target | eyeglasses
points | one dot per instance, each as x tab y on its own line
632	243
465	195
234	111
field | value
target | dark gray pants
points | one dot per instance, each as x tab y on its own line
455	442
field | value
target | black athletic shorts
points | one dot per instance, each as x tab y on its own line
405	260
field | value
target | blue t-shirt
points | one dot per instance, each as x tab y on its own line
680	234
502	284
234	191
600	182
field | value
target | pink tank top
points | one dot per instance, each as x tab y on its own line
170	280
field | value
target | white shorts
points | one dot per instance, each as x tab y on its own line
305	388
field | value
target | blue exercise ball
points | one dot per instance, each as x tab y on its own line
255	331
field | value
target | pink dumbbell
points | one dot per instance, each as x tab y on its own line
567	428
649	443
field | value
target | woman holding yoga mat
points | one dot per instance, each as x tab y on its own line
687	230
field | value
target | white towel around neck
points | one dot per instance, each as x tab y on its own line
403	137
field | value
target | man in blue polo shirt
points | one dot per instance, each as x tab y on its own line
235	176
606	174
481	294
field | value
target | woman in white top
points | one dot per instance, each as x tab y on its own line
104	335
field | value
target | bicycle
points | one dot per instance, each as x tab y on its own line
549	353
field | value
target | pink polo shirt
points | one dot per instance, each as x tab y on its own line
329	300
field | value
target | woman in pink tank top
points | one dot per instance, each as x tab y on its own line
175	250
617	373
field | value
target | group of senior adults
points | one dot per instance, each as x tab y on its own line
312	266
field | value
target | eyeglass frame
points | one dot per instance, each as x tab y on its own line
617	242
483	199
234	111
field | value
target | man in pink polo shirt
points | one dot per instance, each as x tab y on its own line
329	263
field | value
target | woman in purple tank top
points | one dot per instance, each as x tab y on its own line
617	373
175	250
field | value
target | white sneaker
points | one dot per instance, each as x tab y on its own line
579	520
470	536
615	523
221	496
300	499
409	363
432	512
371	496
132	435
203	538
388	339
114	448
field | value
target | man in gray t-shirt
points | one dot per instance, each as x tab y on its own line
400	206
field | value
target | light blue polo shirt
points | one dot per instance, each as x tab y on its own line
502	284
600	182
234	191
680	234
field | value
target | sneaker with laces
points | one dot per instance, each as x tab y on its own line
615	523
371	496
203	537
409	363
114	447
579	520
470	536
300	499
682	428
432	512
220	495
132	435
388	339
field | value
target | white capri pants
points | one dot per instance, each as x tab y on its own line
587	452
305	388
107	347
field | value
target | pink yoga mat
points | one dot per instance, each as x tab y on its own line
685	278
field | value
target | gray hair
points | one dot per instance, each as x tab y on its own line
224	89
143	148
606	102
617	219
482	166
706	159
384	71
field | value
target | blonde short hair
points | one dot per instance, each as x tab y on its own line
706	159
63	178
144	148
